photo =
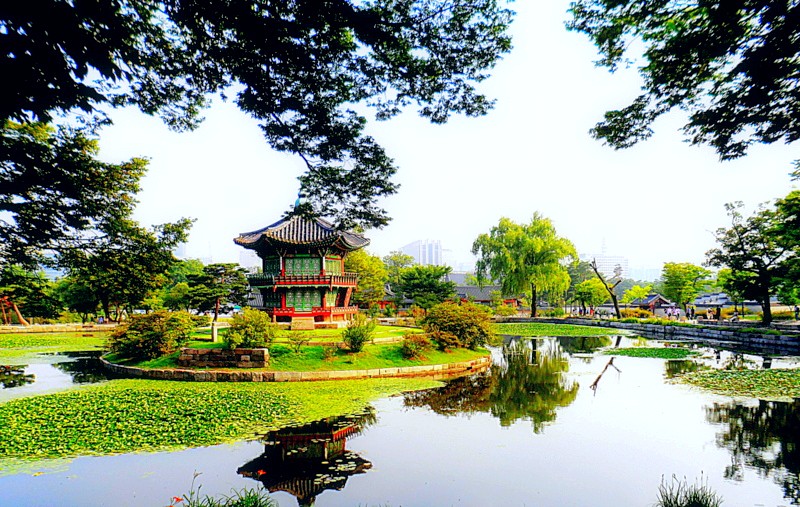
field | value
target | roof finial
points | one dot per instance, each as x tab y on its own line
301	199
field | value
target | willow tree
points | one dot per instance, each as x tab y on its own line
522	257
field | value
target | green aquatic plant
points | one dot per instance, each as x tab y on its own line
679	493
778	384
653	352
543	329
148	415
246	497
16	345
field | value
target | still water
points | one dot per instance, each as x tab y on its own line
552	424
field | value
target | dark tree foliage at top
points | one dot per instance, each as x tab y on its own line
732	65
53	190
304	69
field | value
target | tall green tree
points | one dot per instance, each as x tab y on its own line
731	66
578	271
54	190
127	264
636	292
525	257
591	293
756	252
77	297
396	262
426	285
218	288
31	292
305	71
372	277
681	282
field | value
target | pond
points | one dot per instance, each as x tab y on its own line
551	424
45	373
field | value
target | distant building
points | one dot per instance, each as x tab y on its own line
458	277
249	260
483	295
425	252
606	264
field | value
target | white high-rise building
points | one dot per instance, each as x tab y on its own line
426	252
606	264
249	260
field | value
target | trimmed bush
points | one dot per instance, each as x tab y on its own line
358	332
414	345
635	313
250	329
454	325
153	334
551	312
505	310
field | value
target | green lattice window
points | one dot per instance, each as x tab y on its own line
302	265
330	299
272	266
333	266
303	300
271	299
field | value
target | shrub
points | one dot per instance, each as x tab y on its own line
152	335
358	332
783	315
552	312
414	345
468	323
329	351
635	313
251	328
417	313
297	340
505	310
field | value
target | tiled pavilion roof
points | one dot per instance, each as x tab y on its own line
299	231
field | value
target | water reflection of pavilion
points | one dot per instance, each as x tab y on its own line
306	460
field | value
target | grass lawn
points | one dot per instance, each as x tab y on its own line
321	335
542	329
373	356
18	345
313	358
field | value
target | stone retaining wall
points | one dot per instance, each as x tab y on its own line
224	358
435	370
784	343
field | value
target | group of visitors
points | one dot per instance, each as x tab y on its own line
672	312
714	313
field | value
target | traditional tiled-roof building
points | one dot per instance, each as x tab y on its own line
303	277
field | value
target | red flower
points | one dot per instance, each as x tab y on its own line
176	499
261	472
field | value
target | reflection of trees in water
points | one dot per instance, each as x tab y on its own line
528	383
14	376
677	367
765	437
305	460
84	370
583	344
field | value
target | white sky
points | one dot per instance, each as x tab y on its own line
654	203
